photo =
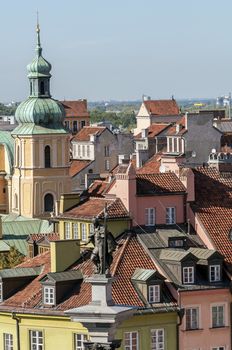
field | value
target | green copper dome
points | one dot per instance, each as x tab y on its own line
39	109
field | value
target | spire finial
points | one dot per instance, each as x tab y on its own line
38	46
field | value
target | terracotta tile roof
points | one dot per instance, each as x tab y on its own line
95	207
173	130
36	237
153	184
162	107
78	165
213	206
152	166
128	256
153	130
84	133
76	108
97	188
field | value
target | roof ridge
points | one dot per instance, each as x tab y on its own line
121	254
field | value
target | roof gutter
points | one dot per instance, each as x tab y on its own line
17	319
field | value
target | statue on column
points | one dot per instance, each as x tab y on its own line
104	246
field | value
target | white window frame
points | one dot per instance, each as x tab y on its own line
79	343
1	292
190	309
154	293
128	340
67	230
215	270
83	232
35	340
8	341
149	216
107	164
224	315
190	274
75	230
170	215
49	295
157	339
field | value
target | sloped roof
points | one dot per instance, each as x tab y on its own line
84	133
153	130
213	206
151	166
153	184
77	108
94	207
77	166
128	256
39	237
20	272
97	188
162	107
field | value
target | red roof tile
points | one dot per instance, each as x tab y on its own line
97	188
162	107
84	133
213	206
94	207
36	237
76	108
153	184
78	165
153	130
152	166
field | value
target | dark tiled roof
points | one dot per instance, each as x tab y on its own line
128	256
78	165
162	107
213	206
152	184
94	207
76	108
84	133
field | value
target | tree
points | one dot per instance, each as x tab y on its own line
11	259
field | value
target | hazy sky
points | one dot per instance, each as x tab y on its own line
119	49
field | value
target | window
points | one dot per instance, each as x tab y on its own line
79	151
149	216
170	216
175	243
88	151
82	123
83	151
192	318
83	232
42	90
31	250
219	348
154	294
1	292
215	273
48	202
157	339
218	316
49	295
67	230
131	341
107	151
8	341
75	231
188	274
79	341
74	126
36	340
91	228
47	157
107	165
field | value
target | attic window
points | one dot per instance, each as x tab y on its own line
188	275
1	292
49	295
215	273
175	243
154	294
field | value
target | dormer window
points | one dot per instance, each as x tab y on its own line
215	273
49	295
154	293
1	292
188	274
176	243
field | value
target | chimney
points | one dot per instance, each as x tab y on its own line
64	253
67	201
92	137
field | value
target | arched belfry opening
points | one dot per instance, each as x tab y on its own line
48	202
47	157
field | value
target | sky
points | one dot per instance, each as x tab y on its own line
119	49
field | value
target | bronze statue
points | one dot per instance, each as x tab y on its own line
104	246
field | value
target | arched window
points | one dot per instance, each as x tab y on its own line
48	203
42	90
47	157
